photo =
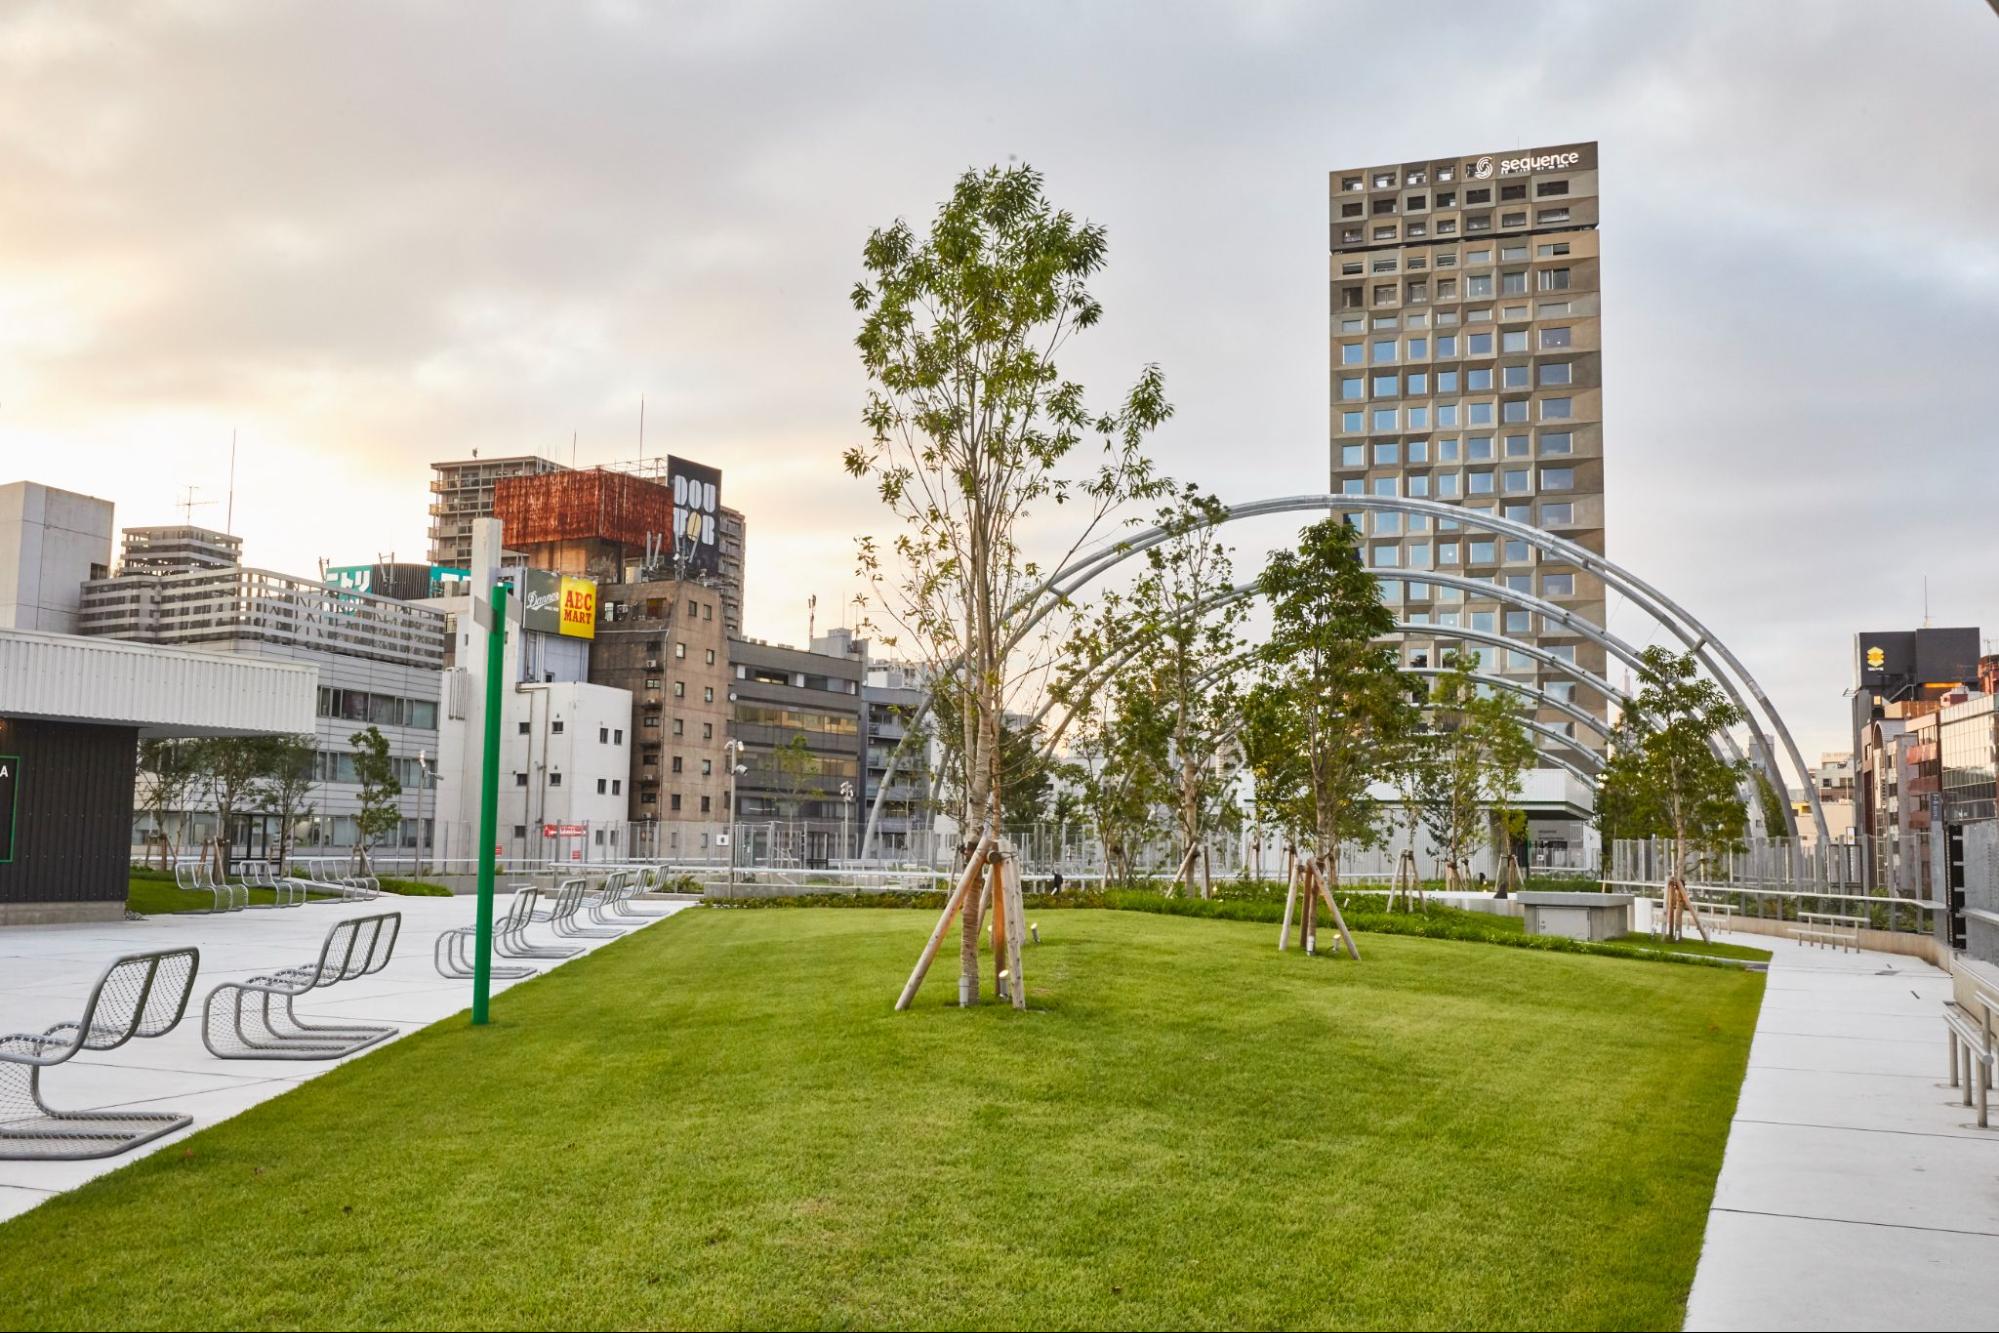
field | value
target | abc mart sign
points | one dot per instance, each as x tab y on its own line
1484	168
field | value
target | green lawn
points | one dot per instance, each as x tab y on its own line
719	1123
153	894
1694	944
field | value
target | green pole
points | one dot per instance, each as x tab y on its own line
489	806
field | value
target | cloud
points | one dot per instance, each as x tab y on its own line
369	237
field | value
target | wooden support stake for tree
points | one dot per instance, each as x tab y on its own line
1308	927
1340	921
1185	873
996	895
1016	926
951	908
1290	897
1207	874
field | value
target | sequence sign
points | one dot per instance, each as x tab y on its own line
10	785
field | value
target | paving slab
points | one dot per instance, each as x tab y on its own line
47	971
1855	1193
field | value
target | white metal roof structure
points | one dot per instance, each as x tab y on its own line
161	691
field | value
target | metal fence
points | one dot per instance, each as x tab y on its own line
1898	883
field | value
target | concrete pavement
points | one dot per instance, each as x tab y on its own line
47	971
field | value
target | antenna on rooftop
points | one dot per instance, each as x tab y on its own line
187	504
229	523
811	616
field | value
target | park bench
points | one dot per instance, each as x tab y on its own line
139	995
455	954
253	1020
199	877
1968	1024
1828	929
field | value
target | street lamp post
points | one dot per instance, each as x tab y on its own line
846	809
731	751
423	840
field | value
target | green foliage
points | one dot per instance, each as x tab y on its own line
380	814
970	426
1154	686
1331	710
232	770
171	771
1472	757
290	771
1663	778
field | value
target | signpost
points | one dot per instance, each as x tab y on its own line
489	806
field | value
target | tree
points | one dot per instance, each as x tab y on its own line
290	772
793	766
232	771
1478	750
1120	753
1663	777
1331	689
380	814
970	423
1176	639
171	775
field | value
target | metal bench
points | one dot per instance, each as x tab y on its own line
455	953
139	995
199	877
253	1020
1828	929
515	943
1968	1024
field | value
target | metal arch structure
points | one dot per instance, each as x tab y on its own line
1583	627
1060	586
1541	698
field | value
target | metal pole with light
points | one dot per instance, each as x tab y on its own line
489	806
731	749
846	810
423	841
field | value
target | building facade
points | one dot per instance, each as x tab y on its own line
1466	368
798	716
379	662
462	491
51	540
664	643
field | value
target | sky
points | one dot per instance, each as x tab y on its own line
360	238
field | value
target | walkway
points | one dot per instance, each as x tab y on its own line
47	971
1856	1191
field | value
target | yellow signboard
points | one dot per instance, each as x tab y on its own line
579	608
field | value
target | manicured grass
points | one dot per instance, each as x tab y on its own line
1693	944
719	1122
153	893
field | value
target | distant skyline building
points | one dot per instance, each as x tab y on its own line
1466	368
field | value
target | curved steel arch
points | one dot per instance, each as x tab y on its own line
1543	699
1486	589
1059	587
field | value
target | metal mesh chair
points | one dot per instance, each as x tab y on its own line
455	951
253	1020
139	995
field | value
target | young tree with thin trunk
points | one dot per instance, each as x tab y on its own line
1330	669
1663	777
172	774
380	814
1478	751
291	772
971	426
233	770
